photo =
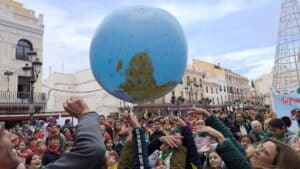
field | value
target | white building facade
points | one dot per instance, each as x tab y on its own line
20	31
262	87
60	86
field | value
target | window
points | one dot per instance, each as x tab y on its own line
23	87
212	90
187	80
23	47
217	90
200	83
206	89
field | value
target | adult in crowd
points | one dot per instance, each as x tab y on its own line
67	125
107	124
257	133
226	119
156	130
7	160
240	125
270	154
88	150
278	130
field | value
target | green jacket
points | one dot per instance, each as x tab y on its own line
257	137
126	156
178	158
232	157
217	124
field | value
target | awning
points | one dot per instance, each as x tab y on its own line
40	116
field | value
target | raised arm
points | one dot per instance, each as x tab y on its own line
212	121
88	150
193	158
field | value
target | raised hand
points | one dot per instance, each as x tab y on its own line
130	119
200	112
178	121
172	141
212	132
76	107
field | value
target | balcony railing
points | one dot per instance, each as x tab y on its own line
21	97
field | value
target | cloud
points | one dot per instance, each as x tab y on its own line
191	13
251	63
243	55
69	28
66	38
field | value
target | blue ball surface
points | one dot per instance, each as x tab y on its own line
138	54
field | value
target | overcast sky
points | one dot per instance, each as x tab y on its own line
239	34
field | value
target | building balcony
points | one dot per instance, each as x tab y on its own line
19	102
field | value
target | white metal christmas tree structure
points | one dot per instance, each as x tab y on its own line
286	75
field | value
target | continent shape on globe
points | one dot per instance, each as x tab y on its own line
138	54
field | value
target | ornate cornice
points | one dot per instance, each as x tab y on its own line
22	27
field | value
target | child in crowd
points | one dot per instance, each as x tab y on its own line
109	144
52	153
112	158
160	164
23	152
41	148
34	161
246	141
214	161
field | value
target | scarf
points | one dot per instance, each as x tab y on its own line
243	123
54	150
201	134
26	154
39	135
167	158
165	155
244	128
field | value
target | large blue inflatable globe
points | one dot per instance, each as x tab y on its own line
138	54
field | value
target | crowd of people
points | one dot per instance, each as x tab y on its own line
244	139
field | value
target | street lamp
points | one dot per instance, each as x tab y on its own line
8	74
32	71
189	90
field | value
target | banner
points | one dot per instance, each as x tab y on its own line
284	103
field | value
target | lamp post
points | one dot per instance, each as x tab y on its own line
32	71
189	90
8	74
